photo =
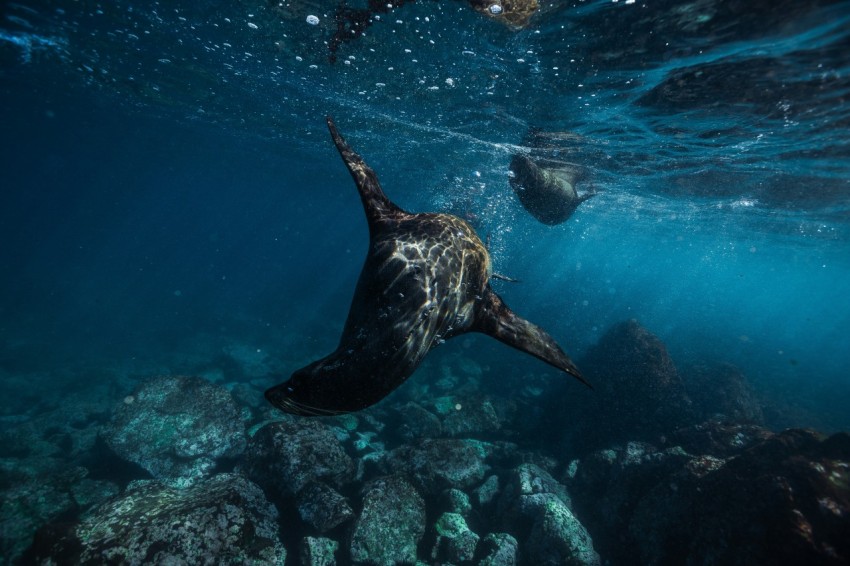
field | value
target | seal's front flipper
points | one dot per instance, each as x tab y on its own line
375	202
494	318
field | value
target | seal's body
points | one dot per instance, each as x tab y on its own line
425	280
548	193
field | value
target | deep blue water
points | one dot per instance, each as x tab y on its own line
163	185
167	180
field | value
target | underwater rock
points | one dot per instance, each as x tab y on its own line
318	551
285	456
638	393
225	519
438	464
322	507
486	493
785	500
455	501
721	392
514	506
417	422
455	542
718	438
528	479
498	549
176	428
781	499
69	430
548	193
36	491
608	484
535	508
557	537
248	395
467	415
391	524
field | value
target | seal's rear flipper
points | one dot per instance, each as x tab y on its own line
494	318
375	202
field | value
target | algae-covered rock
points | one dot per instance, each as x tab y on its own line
318	551
285	456
322	507
785	500
225	519
391	524
557	537
176	428
455	501
721	392
439	464
454	542
638	395
37	491
498	549
486	493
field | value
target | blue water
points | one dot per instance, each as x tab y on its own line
168	183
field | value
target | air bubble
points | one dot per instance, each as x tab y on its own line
495	9
312	20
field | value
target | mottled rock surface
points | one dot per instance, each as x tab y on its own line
318	551
782	498
497	549
225	519
390	525
785	500
721	392
638	394
322	507
176	428
455	542
535	508
438	464
285	456
35	491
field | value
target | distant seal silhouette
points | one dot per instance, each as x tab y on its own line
548	193
425	280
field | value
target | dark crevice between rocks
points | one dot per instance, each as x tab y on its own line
103	464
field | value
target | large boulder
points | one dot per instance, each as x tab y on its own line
557	537
455	542
439	464
318	551
763	499
608	484
785	500
225	519
721	392
536	509
497	549
176	428
285	456
638	394
390	525
37	491
322	507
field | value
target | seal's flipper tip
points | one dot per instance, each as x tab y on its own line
495	319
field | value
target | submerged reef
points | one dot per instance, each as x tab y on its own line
658	465
176	428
